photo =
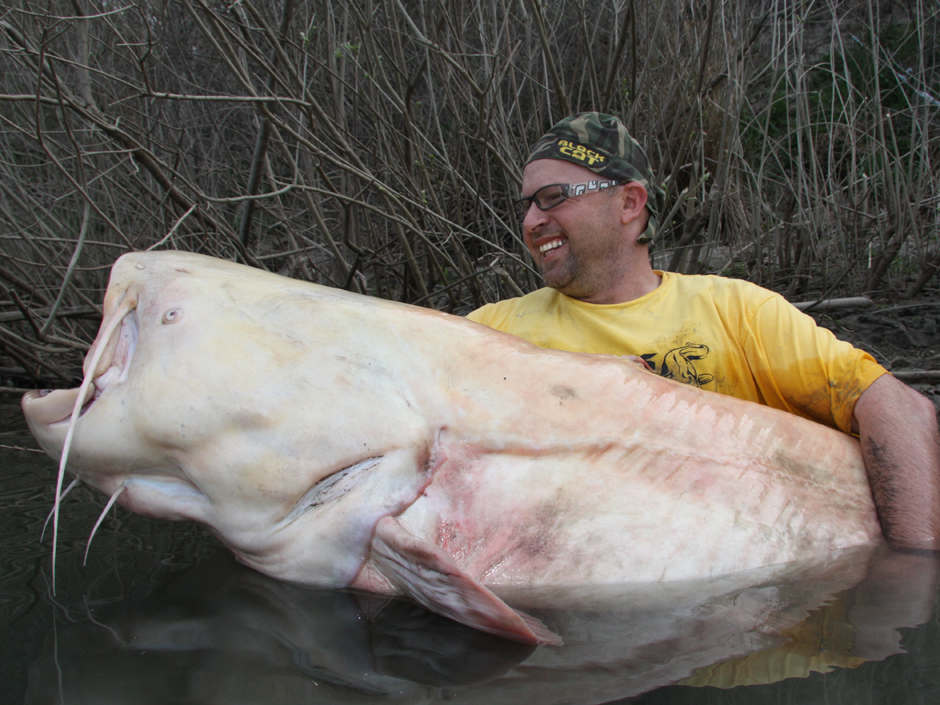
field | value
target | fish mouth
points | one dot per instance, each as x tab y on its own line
111	359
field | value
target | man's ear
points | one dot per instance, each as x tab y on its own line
633	203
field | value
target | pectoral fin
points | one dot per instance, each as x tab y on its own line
429	576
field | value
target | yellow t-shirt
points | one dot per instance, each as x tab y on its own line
819	644
725	335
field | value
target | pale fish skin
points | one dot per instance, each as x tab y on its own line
336	440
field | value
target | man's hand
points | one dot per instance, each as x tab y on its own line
898	431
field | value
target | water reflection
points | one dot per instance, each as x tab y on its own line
223	633
161	616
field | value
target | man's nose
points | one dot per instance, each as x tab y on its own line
534	217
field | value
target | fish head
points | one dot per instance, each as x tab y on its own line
221	394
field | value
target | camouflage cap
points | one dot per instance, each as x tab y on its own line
602	144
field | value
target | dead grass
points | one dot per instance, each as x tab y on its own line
377	146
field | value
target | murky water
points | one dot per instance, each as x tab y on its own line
162	614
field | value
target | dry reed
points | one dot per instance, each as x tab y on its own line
376	146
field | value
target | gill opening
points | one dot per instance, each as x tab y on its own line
124	306
330	488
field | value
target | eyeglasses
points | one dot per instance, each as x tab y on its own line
553	195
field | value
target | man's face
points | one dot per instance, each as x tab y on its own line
578	245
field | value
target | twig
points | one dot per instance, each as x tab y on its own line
7	390
834	304
932	376
172	230
76	253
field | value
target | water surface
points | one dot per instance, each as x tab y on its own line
162	614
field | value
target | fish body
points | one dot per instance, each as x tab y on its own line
336	440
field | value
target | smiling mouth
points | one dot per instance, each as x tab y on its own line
47	407
549	246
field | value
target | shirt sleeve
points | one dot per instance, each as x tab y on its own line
499	315
479	315
804	368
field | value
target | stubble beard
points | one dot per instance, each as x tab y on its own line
571	278
562	274
583	274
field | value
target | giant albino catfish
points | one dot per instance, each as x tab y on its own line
337	440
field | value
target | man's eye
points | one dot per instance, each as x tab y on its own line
549	200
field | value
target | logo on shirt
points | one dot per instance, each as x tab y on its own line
679	364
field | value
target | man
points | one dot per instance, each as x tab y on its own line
589	207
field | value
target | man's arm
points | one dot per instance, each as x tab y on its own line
900	443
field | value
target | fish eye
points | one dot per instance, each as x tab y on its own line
172	316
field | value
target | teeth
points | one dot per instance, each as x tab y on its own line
549	246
